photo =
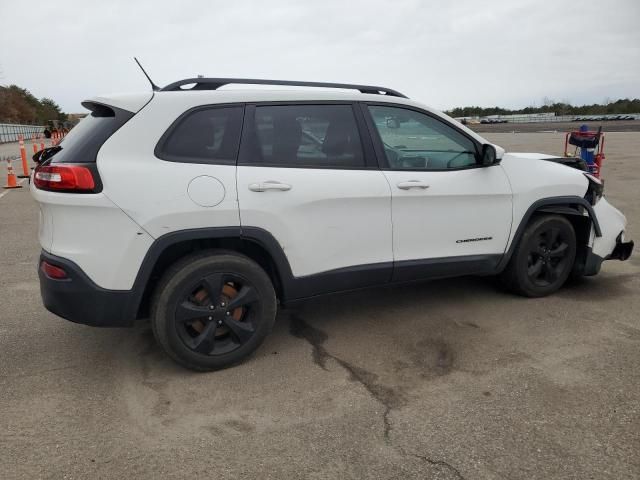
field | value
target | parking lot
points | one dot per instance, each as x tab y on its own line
450	379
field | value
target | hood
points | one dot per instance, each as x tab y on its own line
536	175
572	162
532	156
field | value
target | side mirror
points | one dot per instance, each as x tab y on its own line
489	155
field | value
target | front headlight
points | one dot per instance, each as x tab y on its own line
594	190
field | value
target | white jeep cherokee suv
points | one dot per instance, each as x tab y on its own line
202	208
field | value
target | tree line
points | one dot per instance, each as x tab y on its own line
19	105
623	105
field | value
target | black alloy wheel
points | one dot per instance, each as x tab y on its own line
212	309
549	254
214	316
543	258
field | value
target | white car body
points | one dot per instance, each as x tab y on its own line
324	221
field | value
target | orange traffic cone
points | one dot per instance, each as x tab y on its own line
23	155
12	181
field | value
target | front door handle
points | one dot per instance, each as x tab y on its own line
269	185
412	184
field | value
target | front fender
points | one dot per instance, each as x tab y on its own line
572	204
612	224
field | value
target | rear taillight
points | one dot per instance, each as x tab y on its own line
52	271
64	177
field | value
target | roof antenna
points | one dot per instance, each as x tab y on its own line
154	87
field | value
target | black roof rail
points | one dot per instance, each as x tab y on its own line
215	83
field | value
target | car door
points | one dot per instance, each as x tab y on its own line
450	215
308	177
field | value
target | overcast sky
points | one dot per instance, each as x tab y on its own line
443	53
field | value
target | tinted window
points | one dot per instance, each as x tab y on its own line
82	143
206	135
415	141
324	136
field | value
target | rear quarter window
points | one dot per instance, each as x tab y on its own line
204	135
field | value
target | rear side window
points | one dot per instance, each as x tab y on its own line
205	135
315	136
82	143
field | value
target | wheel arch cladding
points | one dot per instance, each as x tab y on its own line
569	207
171	247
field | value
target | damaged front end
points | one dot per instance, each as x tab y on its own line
622	250
573	162
611	244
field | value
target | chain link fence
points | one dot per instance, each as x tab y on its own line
9	132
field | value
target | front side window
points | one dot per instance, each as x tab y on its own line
415	141
208	135
317	136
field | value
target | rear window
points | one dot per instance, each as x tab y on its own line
82	143
205	135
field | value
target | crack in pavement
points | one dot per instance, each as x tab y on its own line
435	463
386	396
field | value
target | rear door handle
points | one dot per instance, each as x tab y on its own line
412	184
269	185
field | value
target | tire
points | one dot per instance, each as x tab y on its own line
543	259
213	309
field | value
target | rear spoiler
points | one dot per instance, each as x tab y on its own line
132	102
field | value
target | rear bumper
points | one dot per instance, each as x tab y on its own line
77	299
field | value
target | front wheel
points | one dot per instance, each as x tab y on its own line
543	259
213	309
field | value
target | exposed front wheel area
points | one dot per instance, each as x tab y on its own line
212	310
543	258
549	256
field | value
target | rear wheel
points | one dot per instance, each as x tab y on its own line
543	259
212	310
